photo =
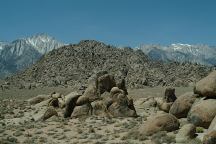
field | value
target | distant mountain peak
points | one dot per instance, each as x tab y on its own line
2	44
24	52
202	54
43	43
180	45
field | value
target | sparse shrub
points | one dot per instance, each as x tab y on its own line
39	132
50	133
162	137
105	139
17	133
62	137
2	130
116	135
66	130
12	139
199	129
133	134
91	130
142	137
117	125
42	139
79	131
30	126
124	138
107	131
195	141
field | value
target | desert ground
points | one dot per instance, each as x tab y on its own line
17	124
24	94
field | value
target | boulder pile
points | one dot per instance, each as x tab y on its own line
187	114
103	96
182	116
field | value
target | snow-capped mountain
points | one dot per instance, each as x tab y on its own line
21	53
43	43
2	45
202	54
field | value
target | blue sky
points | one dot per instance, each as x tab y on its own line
118	22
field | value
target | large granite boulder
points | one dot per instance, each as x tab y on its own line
159	122
202	112
206	87
210	138
167	100
106	83
71	100
80	111
212	125
38	99
122	107
182	105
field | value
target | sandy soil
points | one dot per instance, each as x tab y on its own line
17	123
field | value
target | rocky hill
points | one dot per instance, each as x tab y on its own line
73	65
22	53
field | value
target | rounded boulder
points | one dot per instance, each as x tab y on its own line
206	87
202	112
160	122
182	105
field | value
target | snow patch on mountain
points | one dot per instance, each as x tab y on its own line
2	44
180	46
22	53
202	54
43	43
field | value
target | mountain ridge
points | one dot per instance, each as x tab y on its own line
72	65
202	54
22	53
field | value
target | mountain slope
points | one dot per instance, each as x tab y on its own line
201	54
22	53
72	65
2	45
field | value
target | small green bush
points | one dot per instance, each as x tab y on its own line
199	129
